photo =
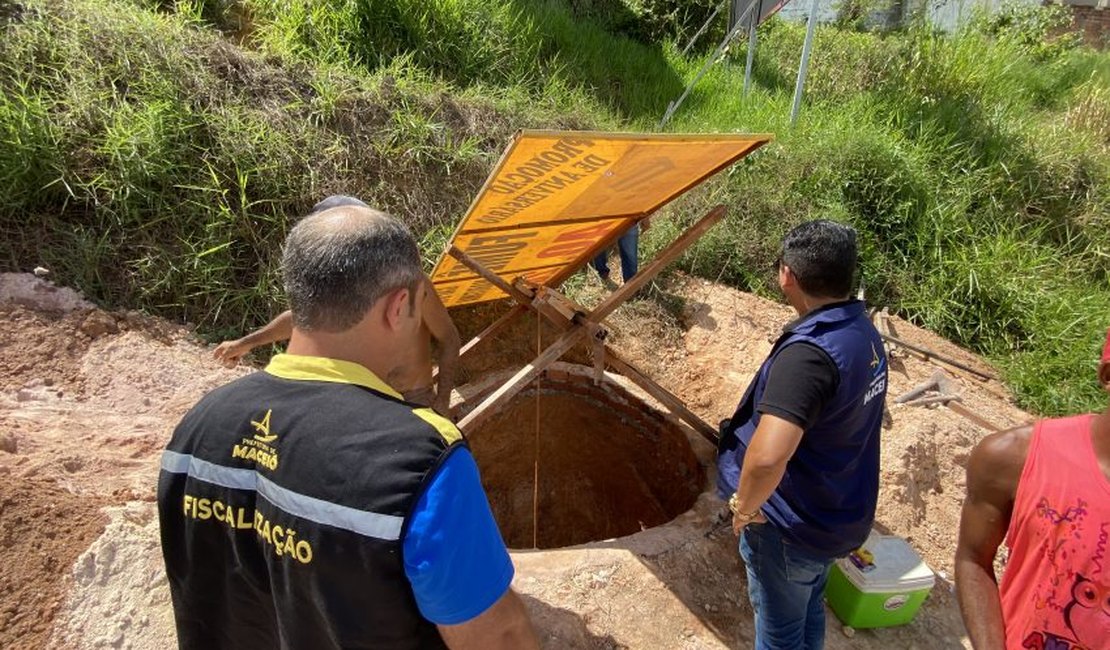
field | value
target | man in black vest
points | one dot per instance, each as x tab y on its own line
309	505
799	460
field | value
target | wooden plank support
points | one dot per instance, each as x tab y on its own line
664	396
494	328
597	351
929	354
551	307
489	276
483	411
570	338
665	257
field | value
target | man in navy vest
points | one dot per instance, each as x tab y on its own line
799	460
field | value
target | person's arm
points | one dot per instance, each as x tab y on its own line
993	472
772	446
279	329
443	330
503	625
801	381
457	563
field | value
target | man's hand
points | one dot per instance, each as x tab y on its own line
773	444
739	523
228	353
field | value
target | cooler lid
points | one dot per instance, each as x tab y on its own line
886	563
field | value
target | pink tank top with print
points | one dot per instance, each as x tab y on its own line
1056	587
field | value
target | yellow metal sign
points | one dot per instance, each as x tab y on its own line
558	197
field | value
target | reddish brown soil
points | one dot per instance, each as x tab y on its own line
87	400
43	530
601	474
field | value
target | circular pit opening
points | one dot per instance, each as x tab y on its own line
607	463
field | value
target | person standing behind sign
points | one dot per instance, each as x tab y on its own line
309	505
799	459
1045	489
416	381
628	247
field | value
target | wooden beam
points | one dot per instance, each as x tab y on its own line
544	305
489	276
664	396
967	413
929	354
483	411
580	330
527	297
495	327
665	257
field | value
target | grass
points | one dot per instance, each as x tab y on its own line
153	164
153	153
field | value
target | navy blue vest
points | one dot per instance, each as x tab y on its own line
826	500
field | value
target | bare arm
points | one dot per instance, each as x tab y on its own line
772	446
504	625
993	472
279	329
443	330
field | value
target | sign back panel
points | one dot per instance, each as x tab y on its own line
557	197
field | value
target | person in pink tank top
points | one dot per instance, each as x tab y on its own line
1045	489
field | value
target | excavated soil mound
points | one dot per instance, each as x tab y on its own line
607	465
87	401
43	530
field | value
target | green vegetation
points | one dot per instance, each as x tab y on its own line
153	152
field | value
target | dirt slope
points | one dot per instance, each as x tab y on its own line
87	400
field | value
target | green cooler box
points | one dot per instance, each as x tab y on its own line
880	585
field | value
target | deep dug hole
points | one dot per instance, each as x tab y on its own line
607	464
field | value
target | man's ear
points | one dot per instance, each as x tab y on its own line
396	307
786	276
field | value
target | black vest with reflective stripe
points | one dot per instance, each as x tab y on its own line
283	505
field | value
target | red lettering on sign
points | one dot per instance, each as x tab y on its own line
574	242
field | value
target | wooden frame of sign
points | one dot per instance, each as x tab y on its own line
579	324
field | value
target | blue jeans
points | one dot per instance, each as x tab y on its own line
786	586
627	245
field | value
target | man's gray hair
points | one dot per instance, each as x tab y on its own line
340	261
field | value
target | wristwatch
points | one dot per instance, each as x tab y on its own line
734	507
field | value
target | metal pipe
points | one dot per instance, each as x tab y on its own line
673	106
804	67
751	58
701	31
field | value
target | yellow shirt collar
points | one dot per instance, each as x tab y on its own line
305	368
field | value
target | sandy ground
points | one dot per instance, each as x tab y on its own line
88	399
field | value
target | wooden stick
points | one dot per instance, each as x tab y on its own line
662	394
973	416
938	357
568	339
665	257
489	276
483	411
495	327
